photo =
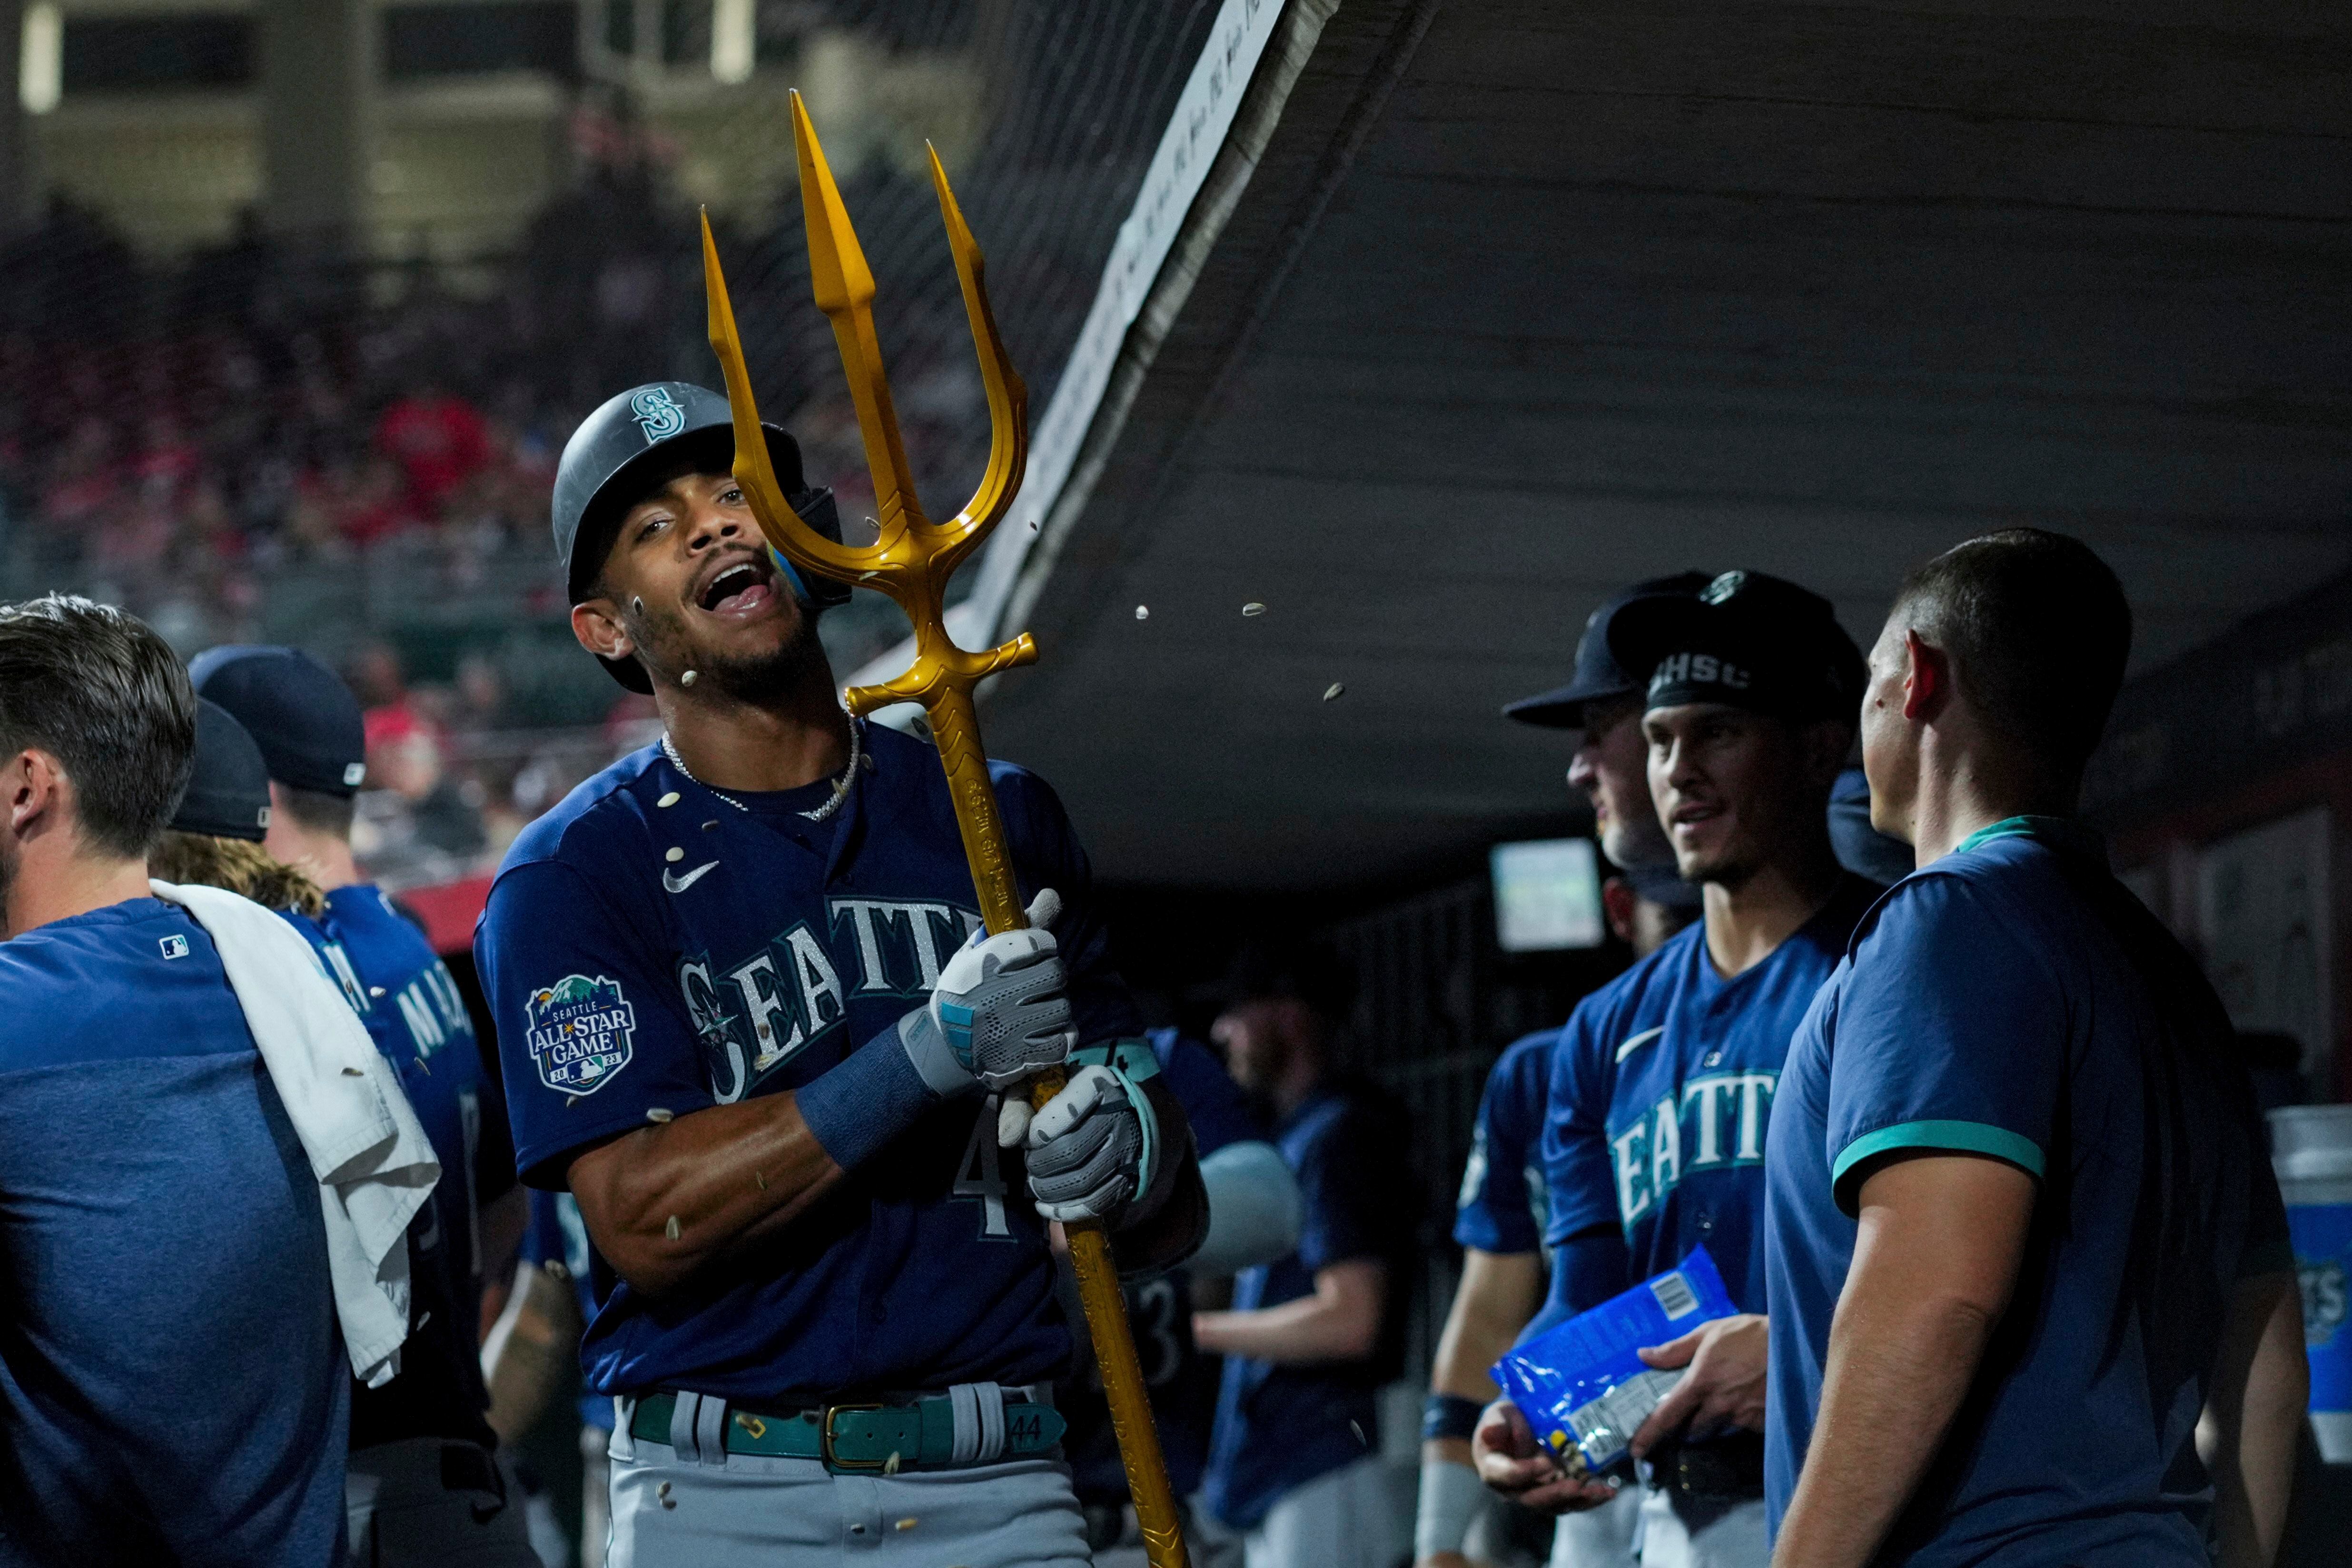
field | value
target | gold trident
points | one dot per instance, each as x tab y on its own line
911	561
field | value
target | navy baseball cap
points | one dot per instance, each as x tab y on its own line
1597	674
1745	640
228	795
299	712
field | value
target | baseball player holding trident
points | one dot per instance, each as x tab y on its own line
760	987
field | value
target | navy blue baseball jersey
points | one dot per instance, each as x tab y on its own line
1662	1087
653	947
418	1021
1503	1204
556	1237
2013	1000
1279	1426
1178	1377
173	1386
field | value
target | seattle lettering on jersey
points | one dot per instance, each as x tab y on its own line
757	1012
1718	1119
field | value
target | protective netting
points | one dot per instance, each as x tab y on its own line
272	439
263	439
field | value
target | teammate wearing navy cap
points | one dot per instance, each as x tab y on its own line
742	1022
1662	1086
2022	1226
1498	1221
173	1384
425	1484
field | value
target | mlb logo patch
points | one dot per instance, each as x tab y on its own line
578	1031
173	946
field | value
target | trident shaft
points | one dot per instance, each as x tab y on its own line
911	561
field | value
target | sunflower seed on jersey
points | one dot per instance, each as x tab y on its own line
654	1113
670	1228
1331	691
353	1072
711	824
662	1490
668	799
570	1100
1253	608
675	855
1143	613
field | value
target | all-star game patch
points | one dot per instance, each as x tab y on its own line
579	1029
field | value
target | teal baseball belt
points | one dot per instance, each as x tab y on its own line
971	1424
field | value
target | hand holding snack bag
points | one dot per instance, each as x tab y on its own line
1582	1385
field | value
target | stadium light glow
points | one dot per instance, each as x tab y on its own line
40	68
731	40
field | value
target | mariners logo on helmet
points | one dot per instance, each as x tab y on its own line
579	1029
658	413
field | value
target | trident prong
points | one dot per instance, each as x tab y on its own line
911	561
912	557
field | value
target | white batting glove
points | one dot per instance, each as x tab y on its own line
999	1014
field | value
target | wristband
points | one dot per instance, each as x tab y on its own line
1451	1497
1449	1416
867	1099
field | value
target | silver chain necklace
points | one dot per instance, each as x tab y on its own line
840	786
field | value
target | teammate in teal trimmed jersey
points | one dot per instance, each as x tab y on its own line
1662	1086
2032	1293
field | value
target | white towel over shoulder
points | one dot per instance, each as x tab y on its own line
374	1166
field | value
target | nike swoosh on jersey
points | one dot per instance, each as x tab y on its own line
1635	1043
677	883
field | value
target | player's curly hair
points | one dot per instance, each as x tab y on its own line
235	865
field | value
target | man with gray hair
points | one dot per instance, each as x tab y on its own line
172	1381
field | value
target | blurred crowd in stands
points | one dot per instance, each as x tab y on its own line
261	442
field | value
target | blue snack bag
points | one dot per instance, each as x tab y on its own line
1580	1384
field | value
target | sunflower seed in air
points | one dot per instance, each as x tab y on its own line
1331	693
1143	613
1253	608
689	678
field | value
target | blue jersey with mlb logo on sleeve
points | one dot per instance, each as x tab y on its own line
1503	1203
413	1013
2013	1001
1662	1087
653	947
174	1385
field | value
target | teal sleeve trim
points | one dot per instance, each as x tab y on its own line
1964	1137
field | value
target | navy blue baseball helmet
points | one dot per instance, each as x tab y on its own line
614	454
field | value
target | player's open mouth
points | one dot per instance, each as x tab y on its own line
738	588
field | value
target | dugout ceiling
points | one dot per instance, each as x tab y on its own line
1526	301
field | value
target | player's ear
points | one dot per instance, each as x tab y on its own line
1928	683
31	784
598	628
1617	900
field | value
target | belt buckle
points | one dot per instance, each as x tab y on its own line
825	1440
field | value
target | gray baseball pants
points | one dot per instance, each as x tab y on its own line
750	1510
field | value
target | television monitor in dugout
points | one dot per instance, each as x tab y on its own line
1546	896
